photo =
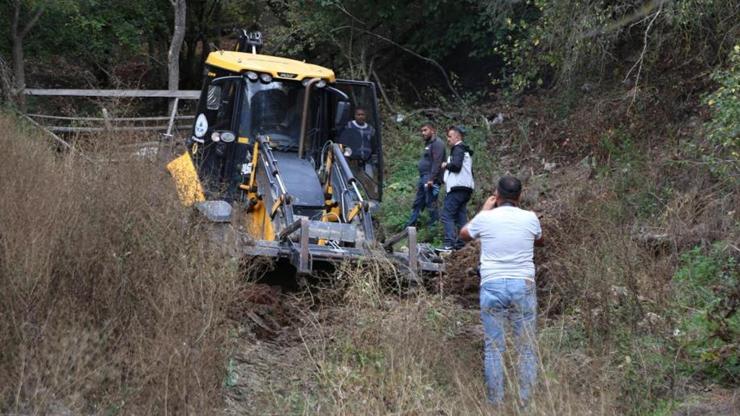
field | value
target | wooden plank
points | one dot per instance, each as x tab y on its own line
304	263
66	129
181	94
113	119
290	229
390	242
54	136
413	252
106	120
65	118
171	123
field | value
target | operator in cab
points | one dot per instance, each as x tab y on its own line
360	124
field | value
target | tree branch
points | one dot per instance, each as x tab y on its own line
345	11
16	18
31	23
411	52
382	92
642	54
641	14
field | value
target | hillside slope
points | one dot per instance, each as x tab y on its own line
115	304
638	287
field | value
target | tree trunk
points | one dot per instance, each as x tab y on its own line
6	83
16	37
19	69
19	76
173	56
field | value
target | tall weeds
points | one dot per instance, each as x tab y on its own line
374	354
109	302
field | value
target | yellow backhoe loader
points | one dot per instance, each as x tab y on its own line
274	154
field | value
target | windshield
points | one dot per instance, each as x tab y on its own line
273	109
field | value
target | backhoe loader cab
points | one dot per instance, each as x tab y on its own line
297	116
275	152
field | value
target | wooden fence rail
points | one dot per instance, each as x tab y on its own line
113	119
74	129
181	94
113	124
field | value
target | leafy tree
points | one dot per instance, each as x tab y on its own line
382	38
723	130
97	38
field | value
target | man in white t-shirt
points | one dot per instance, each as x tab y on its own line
508	235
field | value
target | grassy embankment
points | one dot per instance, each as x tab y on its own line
638	286
114	304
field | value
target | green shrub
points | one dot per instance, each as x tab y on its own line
723	130
402	149
645	366
707	288
569	42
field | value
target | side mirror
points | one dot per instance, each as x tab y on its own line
342	114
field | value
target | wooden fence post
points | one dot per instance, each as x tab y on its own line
106	120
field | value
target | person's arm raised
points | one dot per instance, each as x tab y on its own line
539	239
540	242
465	231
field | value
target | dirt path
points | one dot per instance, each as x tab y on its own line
269	372
716	402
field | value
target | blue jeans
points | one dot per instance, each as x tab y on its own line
513	300
454	216
426	197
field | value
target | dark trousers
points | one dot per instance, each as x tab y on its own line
426	197
455	215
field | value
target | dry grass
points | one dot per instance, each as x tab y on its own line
113	303
110	303
421	355
605	341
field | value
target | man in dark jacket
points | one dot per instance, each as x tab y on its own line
430	175
458	178
365	133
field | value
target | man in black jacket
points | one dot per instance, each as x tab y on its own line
430	175
458	178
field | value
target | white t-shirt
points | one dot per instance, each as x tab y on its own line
507	237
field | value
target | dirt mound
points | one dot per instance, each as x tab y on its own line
461	279
261	308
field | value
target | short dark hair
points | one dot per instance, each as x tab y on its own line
509	187
458	129
428	124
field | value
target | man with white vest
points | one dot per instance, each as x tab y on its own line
458	178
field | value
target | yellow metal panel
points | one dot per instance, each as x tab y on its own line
273	65
258	223
353	212
253	174
189	188
243	140
276	205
